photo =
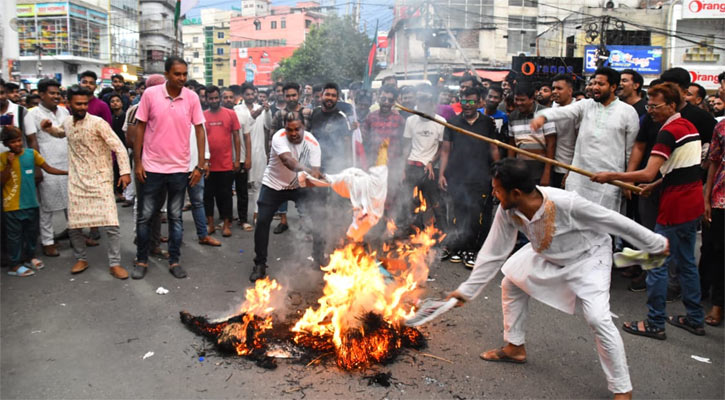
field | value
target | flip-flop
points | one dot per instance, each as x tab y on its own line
247	227
502	357
35	264
21	272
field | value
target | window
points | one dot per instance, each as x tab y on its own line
521	34
220	51
628	38
283	24
308	23
196	54
257	25
234	63
220	82
220	35
195	39
522	3
273	25
196	69
466	14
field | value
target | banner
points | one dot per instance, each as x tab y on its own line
25	10
703	9
647	60
51	9
256	64
536	69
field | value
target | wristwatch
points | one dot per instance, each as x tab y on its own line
201	170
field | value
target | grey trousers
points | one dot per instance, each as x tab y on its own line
113	233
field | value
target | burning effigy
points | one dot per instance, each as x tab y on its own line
359	319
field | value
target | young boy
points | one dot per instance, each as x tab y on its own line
20	203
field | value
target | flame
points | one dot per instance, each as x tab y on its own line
256	317
418	194
363	308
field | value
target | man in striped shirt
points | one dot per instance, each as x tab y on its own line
540	141
676	155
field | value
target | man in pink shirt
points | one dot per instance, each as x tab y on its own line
161	157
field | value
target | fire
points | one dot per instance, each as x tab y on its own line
418	194
363	306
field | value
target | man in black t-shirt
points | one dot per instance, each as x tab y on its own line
630	90
464	173
331	128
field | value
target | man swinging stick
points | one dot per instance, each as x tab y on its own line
566	265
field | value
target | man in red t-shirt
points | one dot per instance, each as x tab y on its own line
222	129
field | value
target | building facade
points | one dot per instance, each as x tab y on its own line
193	35
261	41
61	39
157	38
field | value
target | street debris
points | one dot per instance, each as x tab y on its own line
147	355
701	359
162	290
36	332
381	378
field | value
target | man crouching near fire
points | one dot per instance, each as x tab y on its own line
566	265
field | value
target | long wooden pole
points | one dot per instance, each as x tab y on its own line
515	149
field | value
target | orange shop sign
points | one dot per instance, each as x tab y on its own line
703	9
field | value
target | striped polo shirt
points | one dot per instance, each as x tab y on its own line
522	134
682	200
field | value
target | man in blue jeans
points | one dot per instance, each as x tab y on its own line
196	195
162	153
676	155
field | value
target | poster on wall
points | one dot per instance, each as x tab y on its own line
255	64
647	60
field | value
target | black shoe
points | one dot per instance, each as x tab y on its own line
673	296
445	254
457	257
258	272
62	236
469	259
138	271
280	228
638	285
177	271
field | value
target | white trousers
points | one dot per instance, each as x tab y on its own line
46	226
594	306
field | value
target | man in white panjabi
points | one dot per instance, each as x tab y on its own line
566	265
91	201
53	190
607	129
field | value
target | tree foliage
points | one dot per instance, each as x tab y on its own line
333	52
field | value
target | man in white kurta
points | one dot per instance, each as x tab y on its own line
91	201
53	190
607	129
566	265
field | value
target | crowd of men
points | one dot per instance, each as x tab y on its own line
168	139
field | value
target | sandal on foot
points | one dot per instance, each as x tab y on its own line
160	253
35	264
681	321
500	356
22	271
647	330
247	227
714	318
139	270
177	271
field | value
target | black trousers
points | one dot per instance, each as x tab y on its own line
415	176
268	204
218	186
712	256
472	216
241	179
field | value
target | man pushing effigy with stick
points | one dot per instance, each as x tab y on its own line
566	265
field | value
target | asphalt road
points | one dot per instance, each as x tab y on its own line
84	336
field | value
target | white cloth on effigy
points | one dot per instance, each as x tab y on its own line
566	265
366	191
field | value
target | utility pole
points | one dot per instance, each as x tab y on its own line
39	49
602	52
426	37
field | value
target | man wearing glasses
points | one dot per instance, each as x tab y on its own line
464	174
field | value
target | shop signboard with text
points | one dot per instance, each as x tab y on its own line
703	9
704	75
534	69
647	60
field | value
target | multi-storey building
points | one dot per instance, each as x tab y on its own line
260	40
193	34
158	37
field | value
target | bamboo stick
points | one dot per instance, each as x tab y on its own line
623	185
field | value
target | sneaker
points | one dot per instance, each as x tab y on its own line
469	259
445	254
138	271
638	285
456	257
258	272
